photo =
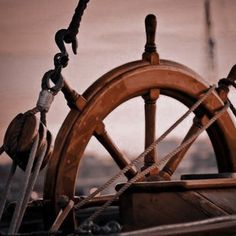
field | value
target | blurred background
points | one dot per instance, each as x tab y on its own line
111	34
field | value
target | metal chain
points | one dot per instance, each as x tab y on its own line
142	155
155	165
61	59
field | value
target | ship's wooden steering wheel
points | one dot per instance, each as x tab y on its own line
148	78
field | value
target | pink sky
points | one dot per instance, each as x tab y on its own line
112	33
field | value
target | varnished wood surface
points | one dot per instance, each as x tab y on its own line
150	125
222	198
160	203
156	186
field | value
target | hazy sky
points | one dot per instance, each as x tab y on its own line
111	33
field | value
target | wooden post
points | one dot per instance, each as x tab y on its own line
150	126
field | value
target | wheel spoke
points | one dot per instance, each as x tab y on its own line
121	160
170	167
150	125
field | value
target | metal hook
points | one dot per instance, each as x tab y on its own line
63	36
59	39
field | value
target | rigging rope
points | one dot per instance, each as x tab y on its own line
29	167
31	184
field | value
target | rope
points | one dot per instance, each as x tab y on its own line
31	184
29	167
142	155
73	29
7	188
76	19
155	165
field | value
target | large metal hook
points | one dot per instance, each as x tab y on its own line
63	36
59	39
